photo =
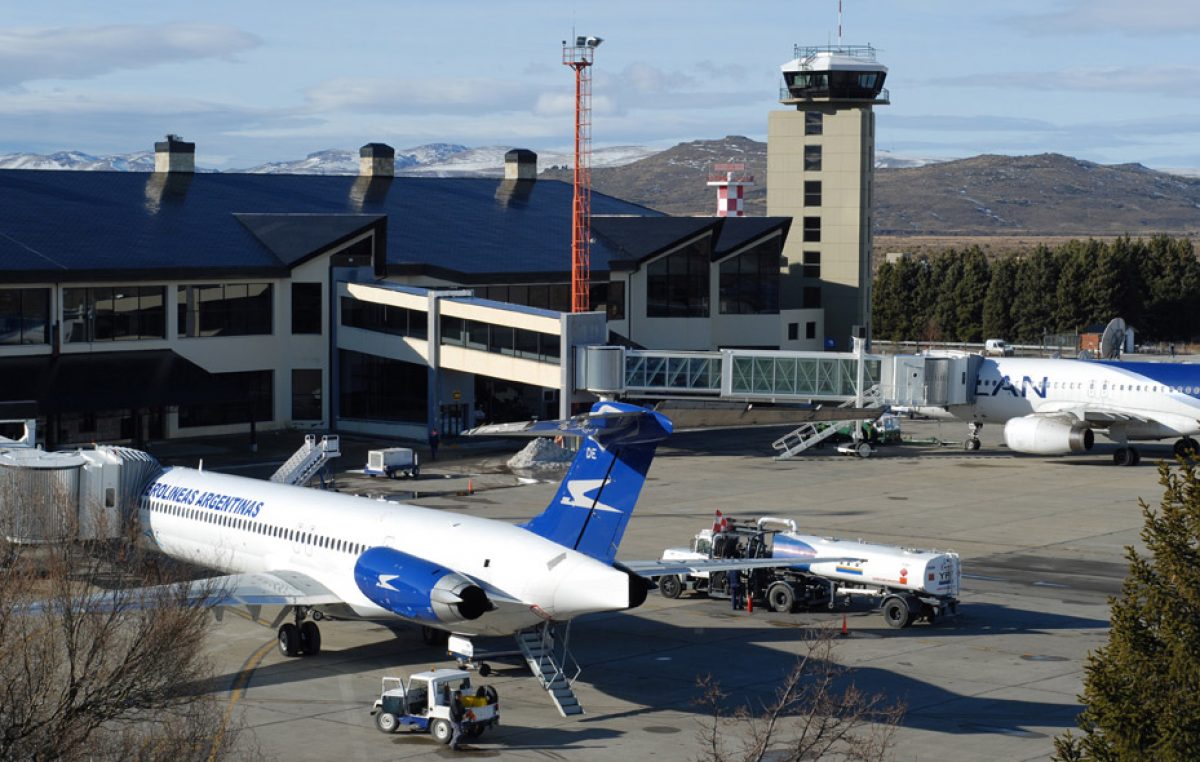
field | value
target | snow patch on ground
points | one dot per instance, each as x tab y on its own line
541	453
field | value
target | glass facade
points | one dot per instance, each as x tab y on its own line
231	309
398	321
114	313
812	158
380	389
606	296
750	281
24	316
505	340
677	284
306	394
259	386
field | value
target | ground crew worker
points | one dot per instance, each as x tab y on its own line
735	588
456	718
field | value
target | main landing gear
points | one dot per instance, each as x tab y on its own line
971	443
303	637
1126	456
1187	448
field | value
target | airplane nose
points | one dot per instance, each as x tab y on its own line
591	586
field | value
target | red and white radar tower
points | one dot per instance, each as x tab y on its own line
579	57
731	181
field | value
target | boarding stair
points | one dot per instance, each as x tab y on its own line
811	434
549	658
307	462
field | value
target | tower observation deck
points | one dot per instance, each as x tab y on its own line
833	73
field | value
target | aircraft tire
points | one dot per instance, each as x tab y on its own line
670	586
441	731
310	638
1186	448
485	670
1126	456
386	722
896	613
289	640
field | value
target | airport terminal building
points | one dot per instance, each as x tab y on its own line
137	306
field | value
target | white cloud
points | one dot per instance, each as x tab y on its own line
1136	19
29	54
1171	80
419	96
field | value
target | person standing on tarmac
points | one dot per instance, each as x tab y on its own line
456	718
434	440
735	589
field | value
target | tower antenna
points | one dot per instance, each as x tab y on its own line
579	54
839	23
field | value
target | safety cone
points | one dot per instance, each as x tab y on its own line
845	630
749	604
470	487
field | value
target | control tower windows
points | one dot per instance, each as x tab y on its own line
812	192
812	264
812	158
814	123
812	229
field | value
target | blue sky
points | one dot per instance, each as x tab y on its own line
259	80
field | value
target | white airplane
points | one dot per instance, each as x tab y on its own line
325	555
1054	407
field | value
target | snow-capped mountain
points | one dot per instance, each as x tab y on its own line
142	161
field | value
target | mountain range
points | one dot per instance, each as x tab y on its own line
989	195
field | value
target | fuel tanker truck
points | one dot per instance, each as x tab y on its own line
908	584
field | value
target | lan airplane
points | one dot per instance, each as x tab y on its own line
324	555
1053	407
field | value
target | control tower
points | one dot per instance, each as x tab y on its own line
820	170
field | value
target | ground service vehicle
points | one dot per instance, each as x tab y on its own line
997	348
909	584
424	704
392	461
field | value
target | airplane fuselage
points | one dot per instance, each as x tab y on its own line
1165	395
239	525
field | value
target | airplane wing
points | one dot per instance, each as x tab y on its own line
1099	415
278	588
665	568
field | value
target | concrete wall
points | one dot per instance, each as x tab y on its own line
846	176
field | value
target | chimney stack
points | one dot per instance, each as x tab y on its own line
376	160
175	155
520	164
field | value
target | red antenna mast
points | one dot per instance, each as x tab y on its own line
579	57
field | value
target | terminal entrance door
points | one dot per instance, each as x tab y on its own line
453	418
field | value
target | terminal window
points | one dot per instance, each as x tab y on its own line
385	318
677	284
225	309
114	313
812	297
793	331
810	330
812	158
381	389
749	282
814	123
306	308
259	402
24	316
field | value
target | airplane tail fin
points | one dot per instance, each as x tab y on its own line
596	498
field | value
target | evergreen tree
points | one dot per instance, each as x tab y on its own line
1072	303
969	294
1142	690
888	316
1037	284
996	304
946	271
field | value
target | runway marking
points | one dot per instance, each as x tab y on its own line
237	689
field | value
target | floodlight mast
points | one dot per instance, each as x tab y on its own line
579	57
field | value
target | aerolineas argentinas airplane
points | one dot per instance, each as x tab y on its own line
322	554
1053	407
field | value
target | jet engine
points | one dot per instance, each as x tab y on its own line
417	589
1043	435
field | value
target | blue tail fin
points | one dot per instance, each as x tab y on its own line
596	498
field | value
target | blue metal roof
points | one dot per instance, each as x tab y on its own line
63	225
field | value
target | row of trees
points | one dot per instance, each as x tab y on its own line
963	296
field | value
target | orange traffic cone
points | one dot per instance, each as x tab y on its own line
845	630
470	487
749	604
